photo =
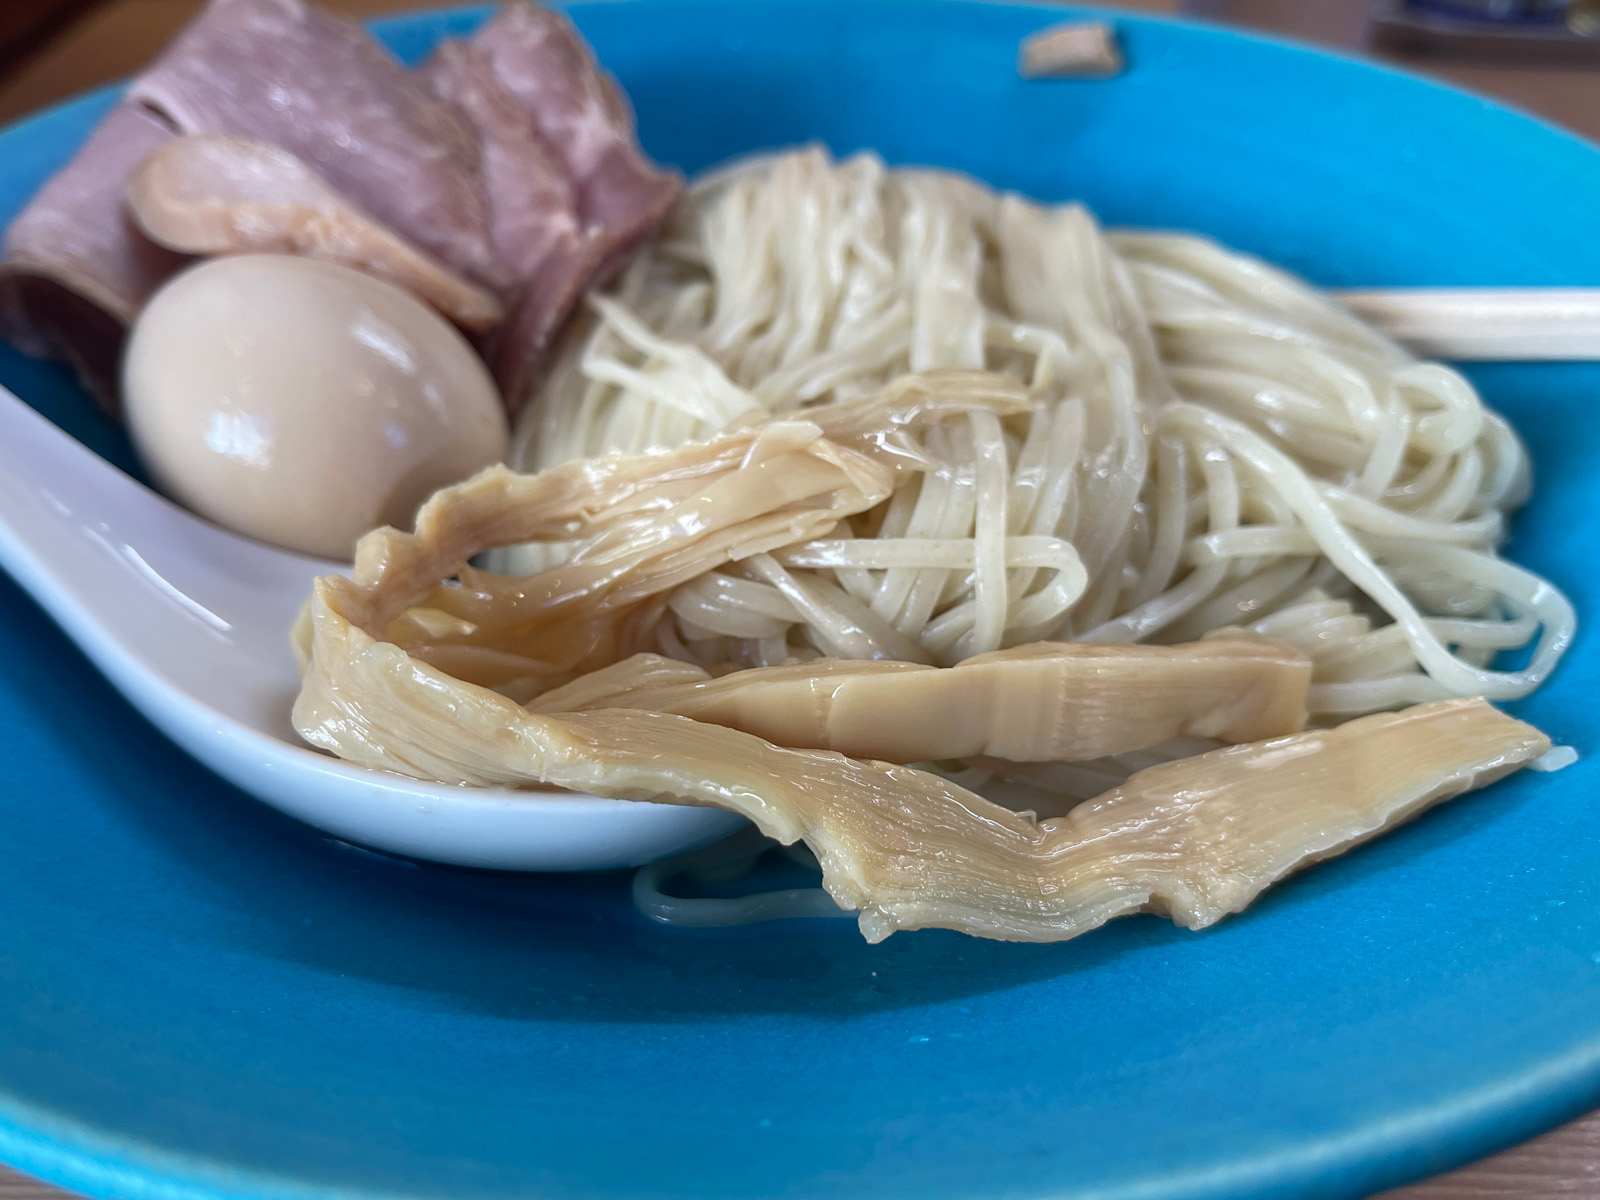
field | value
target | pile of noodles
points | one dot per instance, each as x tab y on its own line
1211	443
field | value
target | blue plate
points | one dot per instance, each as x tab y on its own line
201	999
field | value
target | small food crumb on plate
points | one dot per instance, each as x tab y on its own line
1557	758
1072	49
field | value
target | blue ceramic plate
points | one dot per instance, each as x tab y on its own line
199	998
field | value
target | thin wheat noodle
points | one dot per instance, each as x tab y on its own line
1209	440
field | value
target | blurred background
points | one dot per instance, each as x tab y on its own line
1540	55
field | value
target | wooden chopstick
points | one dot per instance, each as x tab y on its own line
1489	324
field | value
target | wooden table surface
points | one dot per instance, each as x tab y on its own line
50	49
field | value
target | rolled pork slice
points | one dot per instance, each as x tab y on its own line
1044	702
215	194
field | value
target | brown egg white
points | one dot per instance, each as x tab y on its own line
302	402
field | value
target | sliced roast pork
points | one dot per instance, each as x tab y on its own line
534	224
322	88
75	269
510	162
543	63
208	193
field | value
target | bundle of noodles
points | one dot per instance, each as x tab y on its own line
421	664
1207	443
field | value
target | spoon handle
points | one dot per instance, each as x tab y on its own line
1495	324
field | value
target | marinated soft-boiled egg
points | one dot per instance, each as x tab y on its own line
302	402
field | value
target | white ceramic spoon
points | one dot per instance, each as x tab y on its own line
191	625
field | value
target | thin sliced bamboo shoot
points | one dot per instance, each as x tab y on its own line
1045	702
1194	839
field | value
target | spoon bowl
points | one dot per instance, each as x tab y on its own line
190	623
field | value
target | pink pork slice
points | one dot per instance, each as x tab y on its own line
75	269
210	193
320	87
543	63
521	174
534	225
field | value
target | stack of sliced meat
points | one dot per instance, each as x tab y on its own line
497	181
